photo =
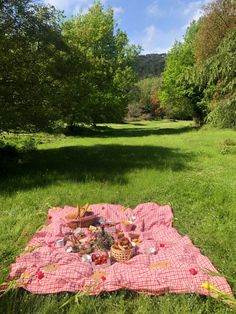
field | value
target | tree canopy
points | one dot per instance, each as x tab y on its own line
83	70
146	102
30	45
199	78
108	65
178	96
217	77
150	65
52	70
218	19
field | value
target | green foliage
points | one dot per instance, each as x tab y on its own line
134	112
199	79
53	73
148	87
146	104
150	65
217	77
30	44
12	154
219	18
103	241
224	115
178	96
29	144
100	93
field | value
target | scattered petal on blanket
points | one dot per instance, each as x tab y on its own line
164	260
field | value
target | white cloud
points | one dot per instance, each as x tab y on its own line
193	11
151	33
192	7
153	9
84	6
118	11
154	40
66	4
81	8
72	6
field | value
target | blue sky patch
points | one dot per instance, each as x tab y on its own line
153	24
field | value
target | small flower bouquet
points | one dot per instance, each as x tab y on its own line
103	240
218	294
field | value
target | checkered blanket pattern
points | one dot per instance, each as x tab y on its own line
167	271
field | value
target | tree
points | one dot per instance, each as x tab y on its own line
199	78
180	97
217	76
30	44
215	68
148	97
102	93
218	19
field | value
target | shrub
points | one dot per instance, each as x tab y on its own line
9	157
11	154
134	111
29	145
224	115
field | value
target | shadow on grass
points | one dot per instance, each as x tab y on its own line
138	132
104	163
104	132
137	123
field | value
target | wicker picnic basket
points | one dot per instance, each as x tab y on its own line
83	222
121	255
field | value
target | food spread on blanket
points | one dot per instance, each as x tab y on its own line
101	235
150	257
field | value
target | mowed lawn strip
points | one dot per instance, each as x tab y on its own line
193	170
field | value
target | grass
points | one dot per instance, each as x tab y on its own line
165	162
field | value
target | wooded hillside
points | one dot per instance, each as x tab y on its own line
150	65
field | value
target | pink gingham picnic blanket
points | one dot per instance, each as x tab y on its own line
177	267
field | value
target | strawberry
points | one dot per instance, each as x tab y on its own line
193	271
40	275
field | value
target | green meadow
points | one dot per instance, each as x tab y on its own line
193	170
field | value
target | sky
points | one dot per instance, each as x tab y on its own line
153	24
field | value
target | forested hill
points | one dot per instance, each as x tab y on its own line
150	65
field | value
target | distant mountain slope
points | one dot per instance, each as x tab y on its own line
150	65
